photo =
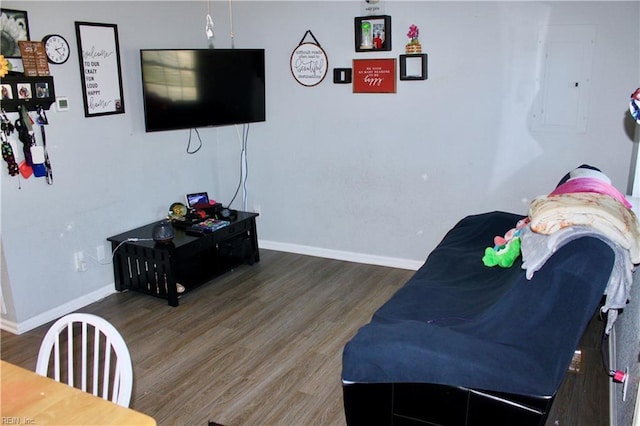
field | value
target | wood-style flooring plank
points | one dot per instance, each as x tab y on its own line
262	345
583	397
259	345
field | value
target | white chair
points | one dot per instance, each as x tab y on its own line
90	345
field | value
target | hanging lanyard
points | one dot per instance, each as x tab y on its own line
7	155
25	134
42	121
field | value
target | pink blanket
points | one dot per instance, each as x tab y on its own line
590	184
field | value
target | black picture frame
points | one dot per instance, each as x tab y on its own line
378	38
413	66
100	69
15	29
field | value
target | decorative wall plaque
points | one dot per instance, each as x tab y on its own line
374	75
34	58
99	54
309	63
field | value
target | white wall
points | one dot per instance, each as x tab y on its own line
381	175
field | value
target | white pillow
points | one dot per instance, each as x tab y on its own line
581	172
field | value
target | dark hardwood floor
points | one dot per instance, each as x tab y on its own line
262	345
583	398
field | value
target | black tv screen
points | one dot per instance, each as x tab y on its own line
190	88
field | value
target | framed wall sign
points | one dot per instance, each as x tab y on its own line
99	57
309	63
374	75
34	58
372	33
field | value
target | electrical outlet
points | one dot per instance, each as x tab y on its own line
81	265
100	254
256	208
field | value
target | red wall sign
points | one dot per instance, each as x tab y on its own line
374	75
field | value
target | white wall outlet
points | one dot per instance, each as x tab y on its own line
81	264
256	208
100	252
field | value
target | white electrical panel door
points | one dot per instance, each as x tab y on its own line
562	101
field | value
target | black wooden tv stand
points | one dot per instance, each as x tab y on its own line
142	265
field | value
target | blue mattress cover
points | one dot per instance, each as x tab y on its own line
457	322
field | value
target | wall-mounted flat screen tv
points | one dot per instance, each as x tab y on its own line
190	88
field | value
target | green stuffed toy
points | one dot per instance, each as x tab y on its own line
503	256
506	249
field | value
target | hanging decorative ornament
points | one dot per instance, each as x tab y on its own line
634	105
208	28
309	63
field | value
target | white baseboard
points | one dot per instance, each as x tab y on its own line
58	311
73	305
348	256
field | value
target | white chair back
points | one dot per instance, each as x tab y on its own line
97	357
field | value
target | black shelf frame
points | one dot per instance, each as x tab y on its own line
37	92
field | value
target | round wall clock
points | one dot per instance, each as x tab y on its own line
57	48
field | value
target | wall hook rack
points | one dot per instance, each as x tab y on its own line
30	92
